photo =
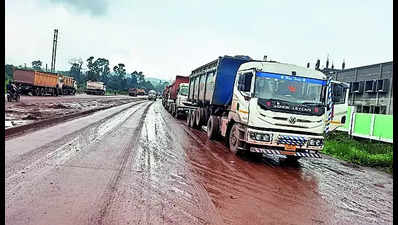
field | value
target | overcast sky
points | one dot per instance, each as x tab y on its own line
165	38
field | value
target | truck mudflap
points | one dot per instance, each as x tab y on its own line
310	154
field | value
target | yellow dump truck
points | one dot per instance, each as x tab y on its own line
38	83
43	83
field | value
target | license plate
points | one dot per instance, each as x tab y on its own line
288	153
290	147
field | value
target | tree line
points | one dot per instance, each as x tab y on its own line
98	69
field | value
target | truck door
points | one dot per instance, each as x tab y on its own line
242	93
340	104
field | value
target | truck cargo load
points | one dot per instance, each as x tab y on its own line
212	84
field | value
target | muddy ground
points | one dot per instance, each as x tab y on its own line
136	164
32	109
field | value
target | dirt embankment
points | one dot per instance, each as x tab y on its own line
30	110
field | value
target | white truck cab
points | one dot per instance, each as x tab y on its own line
278	109
181	104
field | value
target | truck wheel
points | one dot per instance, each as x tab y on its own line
173	110
212	127
234	139
188	118
176	115
192	120
199	117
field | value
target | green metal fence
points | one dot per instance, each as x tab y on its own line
372	126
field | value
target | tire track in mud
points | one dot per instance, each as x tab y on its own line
109	193
33	154
158	188
310	192
247	191
39	161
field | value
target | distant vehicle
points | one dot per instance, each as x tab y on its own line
69	85
175	100
261	106
95	88
152	95
165	96
43	83
38	83
179	105
136	91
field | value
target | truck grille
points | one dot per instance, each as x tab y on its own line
291	140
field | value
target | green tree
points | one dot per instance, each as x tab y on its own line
75	69
120	73
36	65
103	70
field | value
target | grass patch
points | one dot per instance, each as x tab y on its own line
359	151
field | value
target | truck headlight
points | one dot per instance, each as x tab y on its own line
260	136
315	142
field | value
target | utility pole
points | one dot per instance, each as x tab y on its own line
54	53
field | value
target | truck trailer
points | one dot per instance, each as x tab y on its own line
95	88
263	107
38	83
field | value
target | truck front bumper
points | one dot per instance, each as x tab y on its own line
301	153
280	143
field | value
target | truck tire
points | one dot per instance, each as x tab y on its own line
212	127
176	115
233	139
199	117
192	122
188	118
173	110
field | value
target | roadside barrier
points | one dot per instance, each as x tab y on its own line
371	126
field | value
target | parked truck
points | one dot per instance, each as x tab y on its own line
136	91
180	105
152	95
177	103
165	96
95	88
37	83
260	106
69	85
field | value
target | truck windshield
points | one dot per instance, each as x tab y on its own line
294	89
183	90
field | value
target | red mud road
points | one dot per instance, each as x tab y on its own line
135	164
